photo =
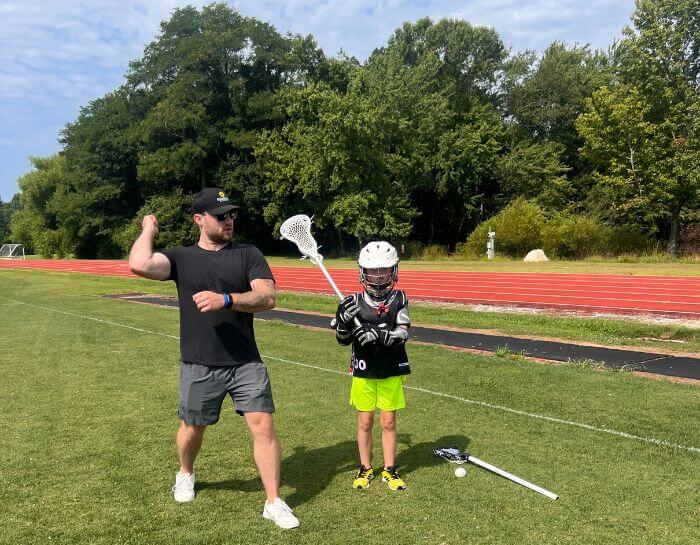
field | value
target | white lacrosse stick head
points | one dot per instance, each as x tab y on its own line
297	229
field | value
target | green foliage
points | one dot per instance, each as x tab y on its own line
175	225
7	210
535	171
432	252
575	236
545	96
523	226
35	223
518	230
53	243
642	132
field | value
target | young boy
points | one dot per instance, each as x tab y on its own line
376	323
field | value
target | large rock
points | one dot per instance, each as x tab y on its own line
535	256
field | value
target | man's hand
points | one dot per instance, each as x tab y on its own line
208	301
142	260
150	224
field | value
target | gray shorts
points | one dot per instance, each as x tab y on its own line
203	389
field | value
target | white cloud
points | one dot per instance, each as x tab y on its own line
55	56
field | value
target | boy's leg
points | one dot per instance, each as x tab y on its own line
388	423
365	422
389	399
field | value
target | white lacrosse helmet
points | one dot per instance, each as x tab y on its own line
378	254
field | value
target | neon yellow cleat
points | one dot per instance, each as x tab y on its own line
363	477
392	478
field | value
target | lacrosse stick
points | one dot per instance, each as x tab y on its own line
297	229
457	456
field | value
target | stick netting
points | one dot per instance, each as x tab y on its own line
297	229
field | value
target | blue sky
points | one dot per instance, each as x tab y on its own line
56	56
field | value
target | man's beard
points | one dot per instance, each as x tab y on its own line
220	238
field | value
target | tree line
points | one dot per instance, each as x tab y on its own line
437	131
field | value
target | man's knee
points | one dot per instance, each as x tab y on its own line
261	424
191	431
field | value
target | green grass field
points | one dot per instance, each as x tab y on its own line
89	416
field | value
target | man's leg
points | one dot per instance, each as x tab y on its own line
189	440
266	451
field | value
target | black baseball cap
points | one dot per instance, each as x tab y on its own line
212	200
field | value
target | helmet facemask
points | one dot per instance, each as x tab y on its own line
379	282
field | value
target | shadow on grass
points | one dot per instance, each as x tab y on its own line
307	471
310	471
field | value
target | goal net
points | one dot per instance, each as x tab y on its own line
12	251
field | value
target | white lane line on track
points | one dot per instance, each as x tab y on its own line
588	427
496	278
512	278
493	301
527	291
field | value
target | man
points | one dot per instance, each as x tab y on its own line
220	284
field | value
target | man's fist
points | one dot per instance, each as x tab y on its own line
150	223
208	301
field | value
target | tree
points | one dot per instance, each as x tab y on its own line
470	58
643	131
534	170
188	116
7	210
35	224
545	97
331	160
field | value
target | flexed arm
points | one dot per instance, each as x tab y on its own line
142	260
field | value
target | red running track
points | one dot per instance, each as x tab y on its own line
653	295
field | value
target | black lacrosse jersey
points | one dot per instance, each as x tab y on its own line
375	360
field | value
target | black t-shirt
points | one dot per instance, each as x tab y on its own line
375	360
223	337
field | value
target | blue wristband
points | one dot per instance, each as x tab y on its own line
228	302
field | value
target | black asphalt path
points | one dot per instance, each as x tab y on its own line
650	362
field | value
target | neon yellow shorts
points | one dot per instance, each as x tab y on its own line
386	394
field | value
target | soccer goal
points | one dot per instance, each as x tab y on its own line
12	251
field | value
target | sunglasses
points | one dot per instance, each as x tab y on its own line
222	217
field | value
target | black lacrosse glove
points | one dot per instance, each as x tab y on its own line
366	334
395	337
346	311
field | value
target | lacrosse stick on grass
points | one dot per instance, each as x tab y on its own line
457	456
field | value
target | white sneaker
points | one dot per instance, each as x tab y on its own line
281	514
183	491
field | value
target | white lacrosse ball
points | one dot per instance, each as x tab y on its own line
460	472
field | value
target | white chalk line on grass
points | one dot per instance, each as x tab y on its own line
94	319
589	427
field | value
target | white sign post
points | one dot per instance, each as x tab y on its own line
491	245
